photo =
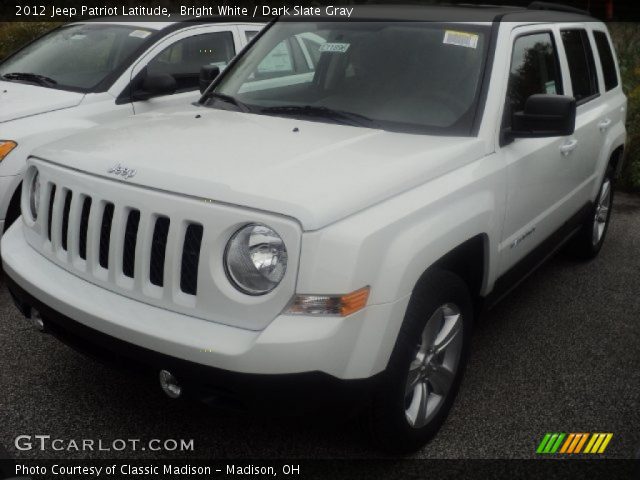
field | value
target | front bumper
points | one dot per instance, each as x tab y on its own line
354	347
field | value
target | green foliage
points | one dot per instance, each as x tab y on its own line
14	35
626	37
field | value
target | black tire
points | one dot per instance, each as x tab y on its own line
389	421
584	245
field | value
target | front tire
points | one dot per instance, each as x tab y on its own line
417	389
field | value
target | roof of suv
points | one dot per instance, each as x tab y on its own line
538	12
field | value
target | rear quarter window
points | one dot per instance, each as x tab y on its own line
607	60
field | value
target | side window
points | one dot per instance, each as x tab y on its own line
534	69
606	59
582	67
183	59
278	62
249	34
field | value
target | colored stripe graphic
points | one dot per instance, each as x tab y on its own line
573	443
543	443
567	443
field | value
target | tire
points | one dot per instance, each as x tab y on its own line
589	240
440	303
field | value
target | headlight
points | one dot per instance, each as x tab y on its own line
34	195
5	148
256	259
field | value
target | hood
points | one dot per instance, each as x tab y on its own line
18	100
315	172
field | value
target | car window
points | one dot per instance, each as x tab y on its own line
80	56
184	59
400	76
278	62
534	69
607	60
582	69
249	34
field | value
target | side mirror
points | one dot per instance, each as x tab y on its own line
208	74
545	116
155	86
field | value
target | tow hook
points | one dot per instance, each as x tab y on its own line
36	320
170	384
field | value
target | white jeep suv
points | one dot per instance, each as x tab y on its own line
343	226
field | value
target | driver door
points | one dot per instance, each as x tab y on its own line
539	170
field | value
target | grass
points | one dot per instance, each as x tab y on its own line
626	38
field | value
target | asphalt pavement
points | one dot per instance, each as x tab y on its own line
560	354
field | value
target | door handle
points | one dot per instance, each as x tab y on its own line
569	147
604	125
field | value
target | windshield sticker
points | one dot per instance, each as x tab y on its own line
550	88
334	47
461	39
140	33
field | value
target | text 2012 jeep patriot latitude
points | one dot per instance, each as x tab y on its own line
341	224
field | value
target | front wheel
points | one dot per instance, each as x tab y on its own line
417	390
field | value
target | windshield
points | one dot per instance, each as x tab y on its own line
414	77
77	57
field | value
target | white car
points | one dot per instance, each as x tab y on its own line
344	227
85	74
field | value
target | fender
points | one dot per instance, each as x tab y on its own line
390	245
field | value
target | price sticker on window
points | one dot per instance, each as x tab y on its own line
460	39
334	47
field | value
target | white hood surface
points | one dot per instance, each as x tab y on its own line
315	172
19	100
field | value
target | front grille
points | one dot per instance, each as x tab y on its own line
122	242
149	245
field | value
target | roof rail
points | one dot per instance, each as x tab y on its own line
556	8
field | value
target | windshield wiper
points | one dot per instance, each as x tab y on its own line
30	77
340	116
229	99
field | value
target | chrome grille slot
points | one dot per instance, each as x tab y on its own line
105	235
158	251
130	240
190	259
84	226
64	239
52	197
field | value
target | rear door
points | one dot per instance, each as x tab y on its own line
578	47
182	55
614	101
